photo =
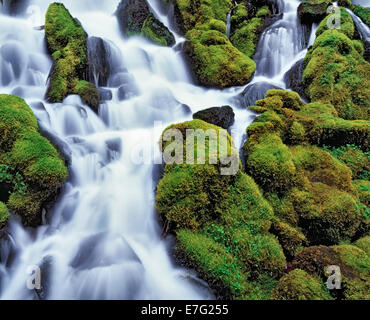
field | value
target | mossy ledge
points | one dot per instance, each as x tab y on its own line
221	223
66	42
31	170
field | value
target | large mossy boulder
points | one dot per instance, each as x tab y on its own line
221	221
67	43
336	71
310	11
31	169
215	61
135	19
294	154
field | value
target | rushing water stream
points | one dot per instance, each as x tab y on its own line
102	238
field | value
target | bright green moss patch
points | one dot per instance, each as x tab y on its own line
364	244
337	73
215	61
157	32
299	285
66	41
221	222
31	170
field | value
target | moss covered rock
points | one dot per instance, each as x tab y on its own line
215	61
135	19
31	170
221	221
309	188
310	11
66	41
157	32
336	71
299	285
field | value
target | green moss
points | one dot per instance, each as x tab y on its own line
213	262
35	167
215	61
299	285
89	94
346	24
220	218
355	258
66	41
245	38
336	73
354	158
363	13
4	214
157	32
364	244
192	13
309	187
291	239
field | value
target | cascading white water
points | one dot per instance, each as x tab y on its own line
361	27
102	239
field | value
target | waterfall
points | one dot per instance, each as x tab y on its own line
102	238
228	25
362	28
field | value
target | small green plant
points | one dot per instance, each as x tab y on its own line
14	179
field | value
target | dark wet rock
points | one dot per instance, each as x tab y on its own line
293	79
220	116
254	92
45	270
99	61
105	94
186	108
310	11
131	15
114	148
103	249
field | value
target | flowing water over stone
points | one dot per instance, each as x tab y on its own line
102	238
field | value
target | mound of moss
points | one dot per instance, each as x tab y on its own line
299	285
66	41
135	19
31	170
216	60
247	27
336	71
310	188
353	268
221	221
